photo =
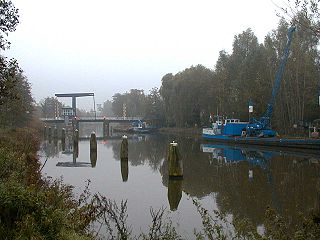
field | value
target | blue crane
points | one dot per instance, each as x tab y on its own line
261	127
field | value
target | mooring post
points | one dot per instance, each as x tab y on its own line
93	149
174	193
63	139
55	133
45	132
76	136
175	162
76	143
124	166
63	134
124	148
107	129
49	133
104	127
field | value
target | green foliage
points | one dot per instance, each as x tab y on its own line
15	96
9	20
32	207
185	96
50	107
308	9
248	73
136	104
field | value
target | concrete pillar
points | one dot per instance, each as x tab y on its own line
175	162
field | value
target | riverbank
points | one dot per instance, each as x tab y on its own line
32	207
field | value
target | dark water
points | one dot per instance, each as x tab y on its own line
239	181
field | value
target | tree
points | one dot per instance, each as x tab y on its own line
9	19
154	108
308	12
185	95
8	69
297	102
18	110
51	107
118	100
107	109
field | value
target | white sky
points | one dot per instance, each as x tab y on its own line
106	47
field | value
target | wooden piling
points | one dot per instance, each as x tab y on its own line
174	193
49	133
76	136
45	132
63	139
124	166
63	133
55	133
175	162
76	143
124	147
93	149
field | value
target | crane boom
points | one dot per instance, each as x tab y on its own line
262	126
268	114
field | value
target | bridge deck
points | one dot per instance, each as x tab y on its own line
98	119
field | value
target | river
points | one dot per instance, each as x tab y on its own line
240	181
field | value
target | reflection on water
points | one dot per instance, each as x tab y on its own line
124	169
174	193
237	180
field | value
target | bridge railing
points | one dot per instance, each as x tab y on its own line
93	118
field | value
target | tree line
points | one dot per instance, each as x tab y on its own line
187	98
247	74
16	102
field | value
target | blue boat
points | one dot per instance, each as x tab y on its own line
258	131
235	131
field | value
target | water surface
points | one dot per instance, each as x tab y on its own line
241	181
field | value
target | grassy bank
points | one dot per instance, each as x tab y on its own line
32	207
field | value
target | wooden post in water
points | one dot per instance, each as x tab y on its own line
63	139
76	143
49	133
63	134
93	149
124	158
124	148
174	193
175	162
45	132
76	136
124	166
55	133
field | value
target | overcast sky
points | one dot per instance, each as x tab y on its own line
106	47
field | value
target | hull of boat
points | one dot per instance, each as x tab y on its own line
306	143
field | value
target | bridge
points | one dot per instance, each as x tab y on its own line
93	119
104	120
